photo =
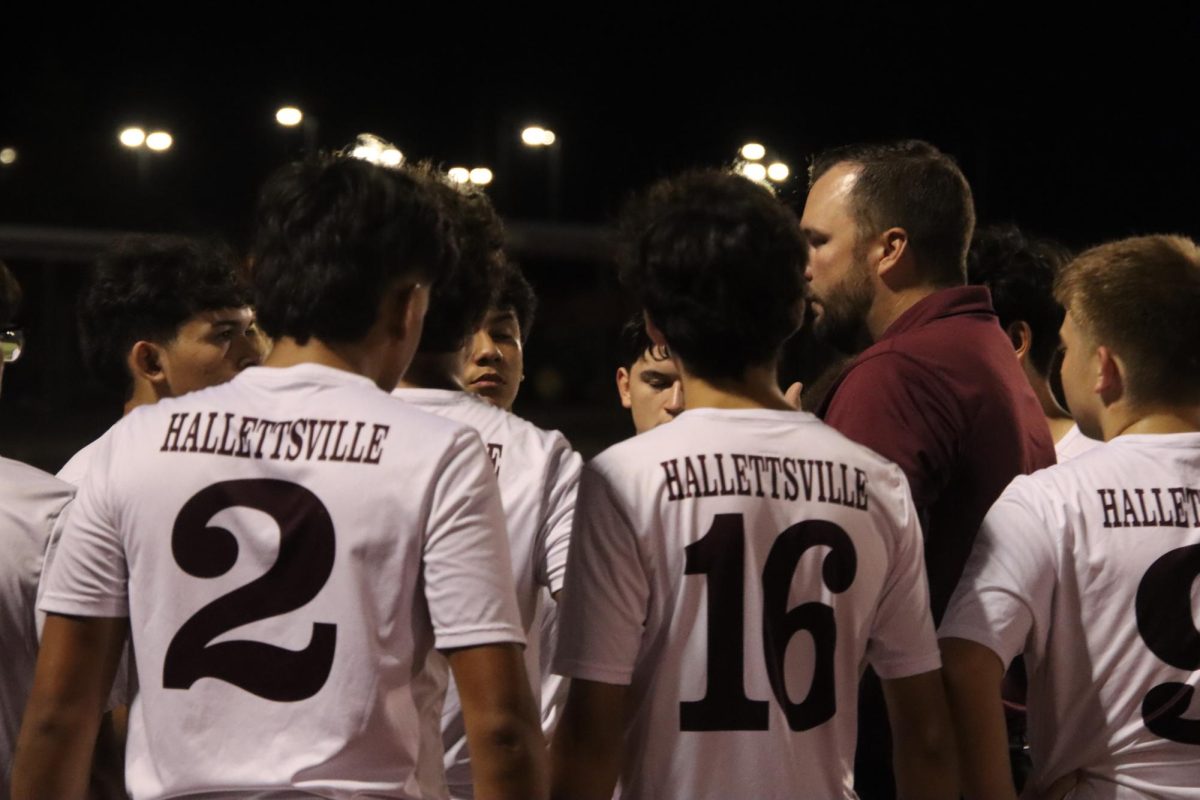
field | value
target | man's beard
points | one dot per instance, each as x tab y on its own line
843	318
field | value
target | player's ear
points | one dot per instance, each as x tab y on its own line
1110	379
623	387
1021	336
146	363
403	309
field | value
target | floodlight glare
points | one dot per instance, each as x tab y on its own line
459	174
8	156
132	137
391	157
481	176
755	171
753	151
159	141
289	116
535	136
778	172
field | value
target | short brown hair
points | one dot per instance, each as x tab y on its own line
1141	297
911	185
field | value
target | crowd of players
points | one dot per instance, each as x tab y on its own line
320	556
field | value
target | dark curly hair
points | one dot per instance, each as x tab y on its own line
512	292
718	263
146	288
457	307
1020	272
635	343
332	233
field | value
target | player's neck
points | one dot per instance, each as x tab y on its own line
758	387
434	371
359	357
1173	419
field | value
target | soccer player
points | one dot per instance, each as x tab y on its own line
537	470
494	356
163	316
1019	272
320	539
1088	568
731	572
31	505
647	380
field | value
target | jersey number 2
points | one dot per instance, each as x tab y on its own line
1164	619
720	555
305	560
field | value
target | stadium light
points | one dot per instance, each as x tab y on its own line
778	172
754	171
536	136
159	141
459	174
753	151
8	156
480	176
132	137
289	116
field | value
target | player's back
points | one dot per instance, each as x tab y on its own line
1114	659
538	474
738	568
283	595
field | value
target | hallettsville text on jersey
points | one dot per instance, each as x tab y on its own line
227	434
720	474
1147	508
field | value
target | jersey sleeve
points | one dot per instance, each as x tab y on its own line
900	409
466	562
87	573
606	592
1003	600
562	487
902	641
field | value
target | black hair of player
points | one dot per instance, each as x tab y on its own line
10	296
718	264
1020	271
332	233
635	343
458	305
147	288
513	292
911	185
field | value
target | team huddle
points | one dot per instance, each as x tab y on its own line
319	556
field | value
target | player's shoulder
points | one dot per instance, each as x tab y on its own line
19	480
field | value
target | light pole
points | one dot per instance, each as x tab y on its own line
143	144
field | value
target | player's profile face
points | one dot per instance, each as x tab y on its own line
839	278
495	360
651	390
1078	377
210	348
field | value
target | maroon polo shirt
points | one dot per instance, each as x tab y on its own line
943	395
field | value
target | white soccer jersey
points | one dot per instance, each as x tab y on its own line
283	594
738	569
76	469
31	505
1073	444
538	474
1089	568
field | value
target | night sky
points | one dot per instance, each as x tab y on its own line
1079	127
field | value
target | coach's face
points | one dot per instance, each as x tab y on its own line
841	287
210	349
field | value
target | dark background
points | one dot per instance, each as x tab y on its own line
1080	125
